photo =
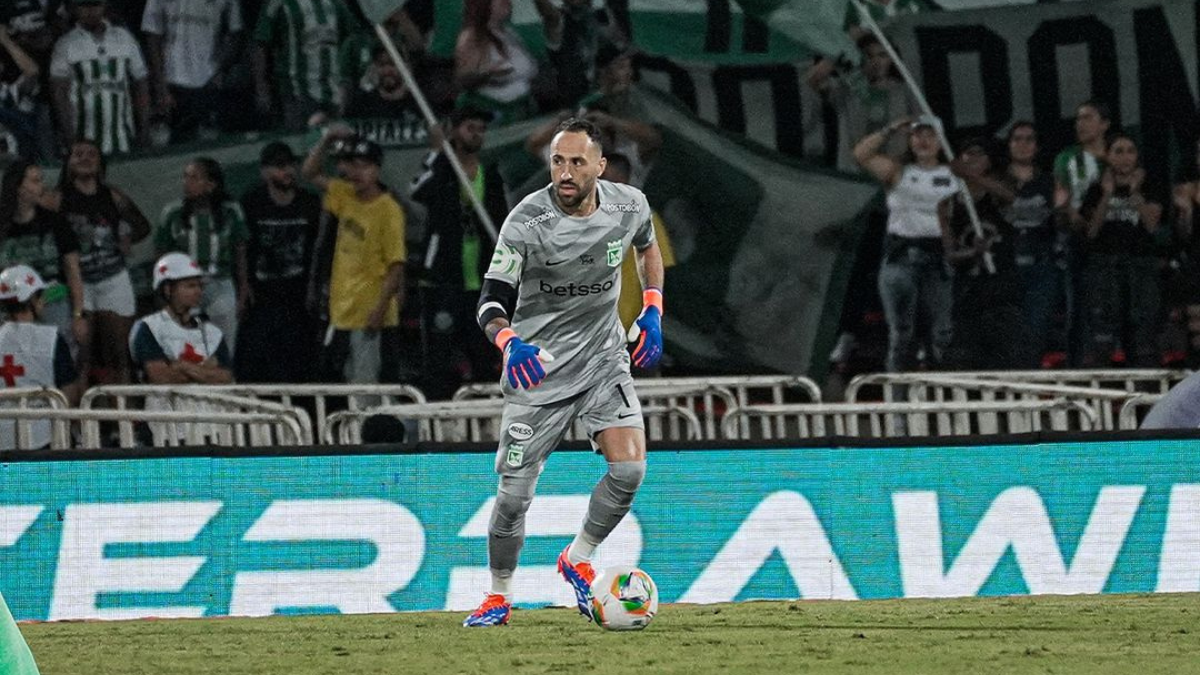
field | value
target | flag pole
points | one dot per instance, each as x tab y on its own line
866	17
432	121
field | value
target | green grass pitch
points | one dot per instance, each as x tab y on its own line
1089	635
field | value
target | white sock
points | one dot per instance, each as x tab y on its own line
502	586
581	549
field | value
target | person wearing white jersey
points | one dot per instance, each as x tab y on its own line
552	289
914	278
31	354
99	81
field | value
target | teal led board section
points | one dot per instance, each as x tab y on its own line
253	535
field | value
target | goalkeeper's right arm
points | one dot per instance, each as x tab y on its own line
522	361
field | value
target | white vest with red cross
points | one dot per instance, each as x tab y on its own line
26	360
178	343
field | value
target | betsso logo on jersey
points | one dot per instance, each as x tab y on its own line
574	290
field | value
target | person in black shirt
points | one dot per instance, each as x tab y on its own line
277	342
1032	217
457	253
386	112
32	235
989	327
1121	216
107	223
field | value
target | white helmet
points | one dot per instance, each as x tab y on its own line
19	283
173	267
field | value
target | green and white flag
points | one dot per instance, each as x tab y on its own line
377	11
15	657
818	25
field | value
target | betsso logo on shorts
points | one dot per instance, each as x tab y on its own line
520	431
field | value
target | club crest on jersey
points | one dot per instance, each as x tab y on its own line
614	253
516	453
520	431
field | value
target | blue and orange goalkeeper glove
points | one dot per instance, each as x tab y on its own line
522	361
647	330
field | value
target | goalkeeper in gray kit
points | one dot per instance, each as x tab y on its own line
549	303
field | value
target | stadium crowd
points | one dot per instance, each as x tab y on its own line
304	277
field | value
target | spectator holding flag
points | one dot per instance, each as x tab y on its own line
914	279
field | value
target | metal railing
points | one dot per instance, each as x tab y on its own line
18	434
195	428
1105	391
478	421
889	387
200	403
1135	409
708	397
319	400
890	420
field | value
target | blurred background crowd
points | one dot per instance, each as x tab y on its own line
1079	259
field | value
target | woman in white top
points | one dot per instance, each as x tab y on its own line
914	277
491	63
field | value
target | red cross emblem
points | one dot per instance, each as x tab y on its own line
29	280
10	371
189	354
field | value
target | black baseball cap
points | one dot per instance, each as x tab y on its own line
277	153
357	147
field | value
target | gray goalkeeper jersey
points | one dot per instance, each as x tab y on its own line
567	272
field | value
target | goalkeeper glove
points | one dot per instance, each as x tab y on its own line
522	361
647	330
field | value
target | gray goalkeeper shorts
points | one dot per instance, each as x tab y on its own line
529	433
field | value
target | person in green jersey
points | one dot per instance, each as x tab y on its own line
1076	169
209	226
297	51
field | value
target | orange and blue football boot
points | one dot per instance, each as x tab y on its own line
495	611
580	576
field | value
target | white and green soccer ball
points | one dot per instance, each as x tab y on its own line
624	598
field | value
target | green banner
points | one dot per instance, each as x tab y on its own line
187	537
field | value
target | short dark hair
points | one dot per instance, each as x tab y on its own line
470	112
1102	108
866	40
1117	135
1021	124
581	125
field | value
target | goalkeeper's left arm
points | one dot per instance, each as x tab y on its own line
647	329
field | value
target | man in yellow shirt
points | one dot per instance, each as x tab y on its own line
629	305
366	282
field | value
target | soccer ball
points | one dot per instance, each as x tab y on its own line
624	598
